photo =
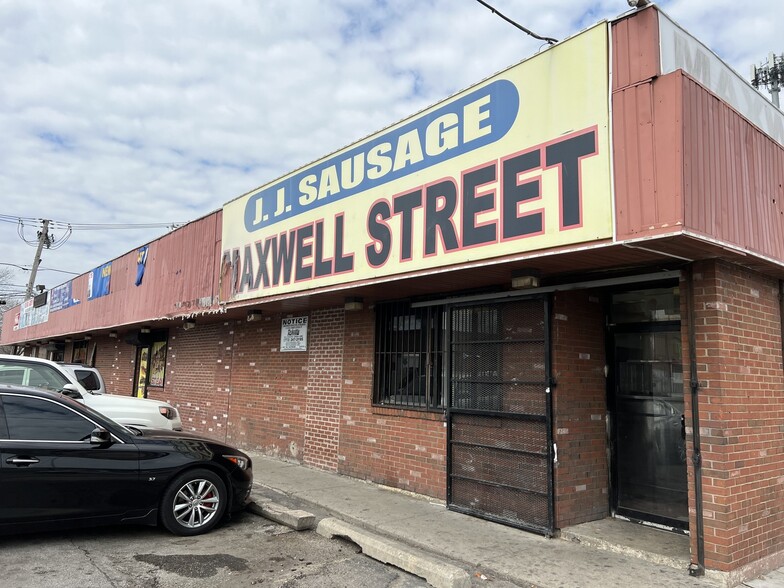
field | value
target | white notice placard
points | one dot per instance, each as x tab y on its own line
294	334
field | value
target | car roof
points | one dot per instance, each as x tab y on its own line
28	391
22	359
27	358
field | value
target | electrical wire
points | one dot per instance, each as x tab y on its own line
52	242
56	224
42	269
549	40
51	269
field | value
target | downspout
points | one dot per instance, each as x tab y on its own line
695	569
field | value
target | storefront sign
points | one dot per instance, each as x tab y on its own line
99	281
61	297
294	334
30	315
515	164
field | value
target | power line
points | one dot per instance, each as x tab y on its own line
549	40
51	269
88	226
4	218
42	269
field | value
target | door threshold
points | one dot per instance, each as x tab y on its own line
668	528
650	543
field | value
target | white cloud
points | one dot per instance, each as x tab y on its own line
132	112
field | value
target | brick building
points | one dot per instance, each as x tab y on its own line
548	300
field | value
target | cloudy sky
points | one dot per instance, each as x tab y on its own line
150	112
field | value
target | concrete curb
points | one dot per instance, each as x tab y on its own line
299	520
437	573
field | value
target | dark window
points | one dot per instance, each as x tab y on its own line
36	419
410	366
79	352
87	379
10	375
3	428
157	371
646	306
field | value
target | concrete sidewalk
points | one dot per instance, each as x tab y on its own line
478	547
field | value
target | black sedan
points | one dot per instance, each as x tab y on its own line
63	464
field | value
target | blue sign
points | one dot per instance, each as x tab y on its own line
414	146
98	281
141	262
61	297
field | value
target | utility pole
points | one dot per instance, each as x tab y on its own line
771	75
43	239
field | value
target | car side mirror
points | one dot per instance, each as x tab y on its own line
100	436
71	391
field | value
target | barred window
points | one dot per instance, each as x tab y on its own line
410	356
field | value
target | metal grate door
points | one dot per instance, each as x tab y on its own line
499	435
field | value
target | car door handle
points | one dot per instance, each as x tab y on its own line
22	460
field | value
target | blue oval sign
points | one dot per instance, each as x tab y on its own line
474	120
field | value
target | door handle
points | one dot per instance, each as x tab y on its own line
22	460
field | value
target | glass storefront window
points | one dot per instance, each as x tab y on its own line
646	306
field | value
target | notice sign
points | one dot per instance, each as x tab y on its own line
294	334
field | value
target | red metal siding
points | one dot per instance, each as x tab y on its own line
683	158
179	279
733	176
635	49
648	158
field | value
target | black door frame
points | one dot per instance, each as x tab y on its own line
611	331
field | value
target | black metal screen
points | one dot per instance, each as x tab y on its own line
499	462
409	356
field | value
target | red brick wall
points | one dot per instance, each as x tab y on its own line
268	396
116	362
741	405
400	448
195	377
579	408
325	375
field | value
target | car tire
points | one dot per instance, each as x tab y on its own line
194	502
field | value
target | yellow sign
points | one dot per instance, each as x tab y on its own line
515	164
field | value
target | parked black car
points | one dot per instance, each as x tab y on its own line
63	464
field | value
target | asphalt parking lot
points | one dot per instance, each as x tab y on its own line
247	551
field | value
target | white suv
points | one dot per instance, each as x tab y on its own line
126	410
89	377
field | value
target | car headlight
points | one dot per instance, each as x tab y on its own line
240	461
168	411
